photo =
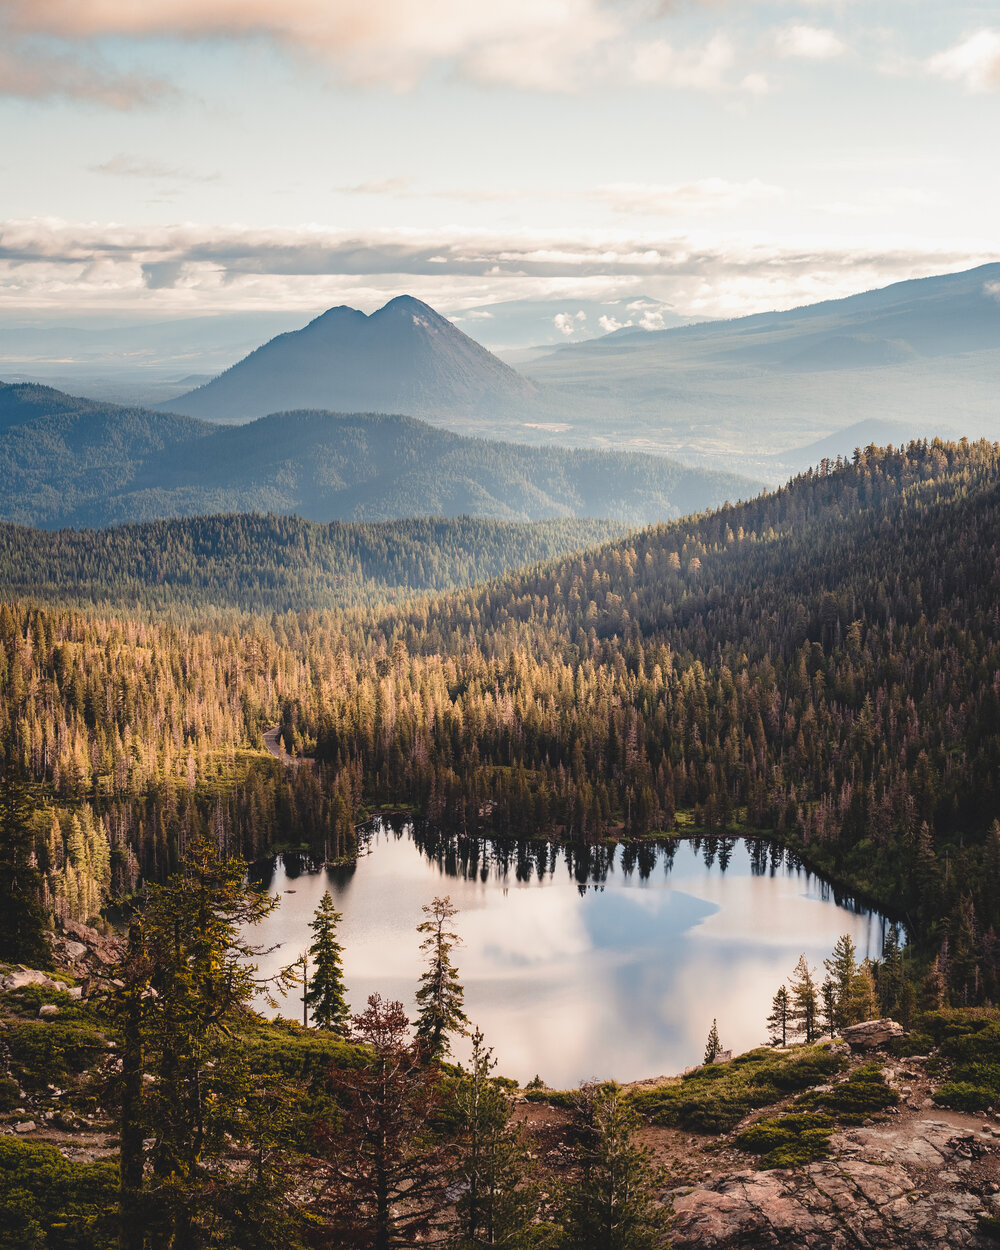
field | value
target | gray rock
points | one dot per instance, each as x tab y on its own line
872	1034
21	977
48	1009
25	1126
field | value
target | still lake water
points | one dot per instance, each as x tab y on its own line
601	963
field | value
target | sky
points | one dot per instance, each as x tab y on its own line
169	157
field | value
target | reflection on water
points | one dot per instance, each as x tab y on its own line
579	961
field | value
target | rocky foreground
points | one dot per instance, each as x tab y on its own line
922	1181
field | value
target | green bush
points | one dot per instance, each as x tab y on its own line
790	1140
864	1094
963	1096
52	1050
10	1094
48	1203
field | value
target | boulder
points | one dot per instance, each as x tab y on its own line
25	1126
21	977
48	1009
872	1034
103	949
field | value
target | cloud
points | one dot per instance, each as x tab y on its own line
124	166
975	62
569	323
525	43
53	263
610	324
29	72
992	290
810	43
704	68
664	200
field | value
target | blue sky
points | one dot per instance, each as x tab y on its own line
179	156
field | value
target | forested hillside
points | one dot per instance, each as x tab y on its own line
275	563
822	663
65	461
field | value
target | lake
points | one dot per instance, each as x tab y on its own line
579	964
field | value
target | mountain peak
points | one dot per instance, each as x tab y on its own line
403	358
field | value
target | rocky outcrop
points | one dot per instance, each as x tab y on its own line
885	1189
96	948
872	1034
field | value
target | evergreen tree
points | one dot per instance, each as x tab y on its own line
22	918
713	1045
325	994
777	1021
828	997
841	969
611	1205
440	997
182	1082
805	1000
500	1199
387	1170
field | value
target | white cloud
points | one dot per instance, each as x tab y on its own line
28	72
610	324
809	43
527	43
75	266
569	323
124	166
666	200
704	68
975	62
992	289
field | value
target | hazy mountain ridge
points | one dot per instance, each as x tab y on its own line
924	354
94	464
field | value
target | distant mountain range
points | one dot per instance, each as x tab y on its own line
404	358
69	461
923	355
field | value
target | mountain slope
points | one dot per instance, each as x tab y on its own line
275	564
95	464
923	353
403	358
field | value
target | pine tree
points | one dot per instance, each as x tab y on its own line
805	1000
713	1045
325	994
842	968
777	1021
611	1206
22	919
441	995
387	1171
500	1199
186	977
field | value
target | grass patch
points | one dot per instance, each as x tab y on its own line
714	1098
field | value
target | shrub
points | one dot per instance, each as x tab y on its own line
52	1050
963	1096
864	1094
790	1140
48	1202
714	1099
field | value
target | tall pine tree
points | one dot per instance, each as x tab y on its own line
440	996
325	995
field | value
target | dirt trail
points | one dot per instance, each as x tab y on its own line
272	740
